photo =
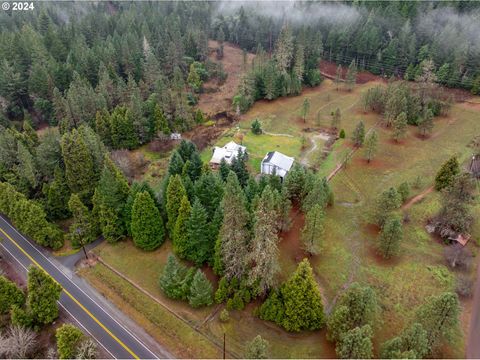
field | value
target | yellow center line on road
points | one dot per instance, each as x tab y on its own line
71	296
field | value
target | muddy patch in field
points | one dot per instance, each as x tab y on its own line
290	241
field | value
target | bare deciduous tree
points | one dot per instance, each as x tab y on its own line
458	256
87	350
18	342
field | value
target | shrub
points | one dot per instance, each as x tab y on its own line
342	134
68	338
256	127
10	295
224	316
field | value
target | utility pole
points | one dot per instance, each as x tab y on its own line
224	346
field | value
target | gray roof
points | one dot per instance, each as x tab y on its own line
280	160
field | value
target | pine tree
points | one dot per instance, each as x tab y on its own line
371	144
302	301
390	237
147	226
351	77
180	236
355	308
209	190
411	344
199	246
263	255
283	53
234	233
359	134
447	173
439	316
175	193
294	182
56	196
338	76
356	344
305	109
224	169
79	166
176	164
425	123
336	119
318	193
103	127
43	294
195	167
10	295
122	129
109	201
201	291
257	348
172	278
387	202
134	190
400	126
160	121
404	191
194	79
82	229
313	231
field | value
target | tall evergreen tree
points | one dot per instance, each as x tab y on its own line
411	344
359	134
302	301
355	308
400	126
263	255
425	123
201	291
176	164
351	77
109	201
371	144
175	193
234	234
387	202
439	316
356	344
199	246
56	196
313	231
447	173
148	231
43	294
79	165
390	237
82	229
180	237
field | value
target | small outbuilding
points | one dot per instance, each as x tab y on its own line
227	152
276	163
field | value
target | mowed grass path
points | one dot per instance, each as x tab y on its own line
349	246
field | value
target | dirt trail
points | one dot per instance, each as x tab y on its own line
417	198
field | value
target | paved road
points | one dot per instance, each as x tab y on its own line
93	314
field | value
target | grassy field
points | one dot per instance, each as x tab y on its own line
349	246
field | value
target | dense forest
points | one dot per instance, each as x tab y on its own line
62	63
